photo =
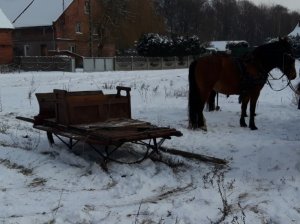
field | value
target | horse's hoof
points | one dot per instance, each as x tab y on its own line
193	127
253	128
203	128
243	124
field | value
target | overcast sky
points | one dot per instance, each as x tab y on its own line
290	4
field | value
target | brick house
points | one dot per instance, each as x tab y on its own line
6	44
52	26
75	30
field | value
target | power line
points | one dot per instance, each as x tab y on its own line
23	11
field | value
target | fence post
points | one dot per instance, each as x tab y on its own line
114	63
147	61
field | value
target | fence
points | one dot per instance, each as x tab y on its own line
46	63
64	63
7	68
98	64
134	63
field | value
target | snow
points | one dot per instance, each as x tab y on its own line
40	184
221	45
296	31
40	13
4	21
218	45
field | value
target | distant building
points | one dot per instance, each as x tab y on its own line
294	37
296	31
236	47
54	25
6	43
73	27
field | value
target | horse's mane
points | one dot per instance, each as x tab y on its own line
270	55
272	48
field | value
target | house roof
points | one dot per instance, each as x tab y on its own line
296	31
221	45
4	21
39	13
218	45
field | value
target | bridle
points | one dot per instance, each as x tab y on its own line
289	84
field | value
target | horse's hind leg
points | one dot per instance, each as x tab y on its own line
211	101
245	102
201	119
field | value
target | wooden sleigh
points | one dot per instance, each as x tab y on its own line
101	119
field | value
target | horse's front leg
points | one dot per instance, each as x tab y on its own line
253	101
244	105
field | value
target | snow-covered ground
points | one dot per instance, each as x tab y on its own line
40	184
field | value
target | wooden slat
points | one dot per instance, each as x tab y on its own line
135	130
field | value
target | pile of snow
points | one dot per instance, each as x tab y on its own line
40	184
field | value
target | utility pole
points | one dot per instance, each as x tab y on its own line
90	30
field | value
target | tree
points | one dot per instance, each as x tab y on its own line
107	23
226	19
142	18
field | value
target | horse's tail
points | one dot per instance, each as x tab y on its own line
193	97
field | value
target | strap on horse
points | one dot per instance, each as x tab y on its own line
244	85
246	80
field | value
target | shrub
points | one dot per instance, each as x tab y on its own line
155	45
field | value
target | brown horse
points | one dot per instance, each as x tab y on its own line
244	76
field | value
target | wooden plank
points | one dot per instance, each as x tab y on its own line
191	155
27	119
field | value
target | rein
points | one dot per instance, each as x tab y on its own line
277	90
293	88
288	82
273	78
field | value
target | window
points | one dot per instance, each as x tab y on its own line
72	48
87	7
43	31
44	50
78	28
95	29
26	50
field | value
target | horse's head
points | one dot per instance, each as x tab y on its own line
277	54
285	58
